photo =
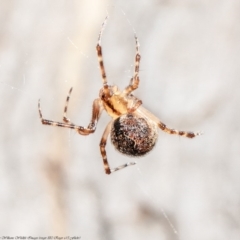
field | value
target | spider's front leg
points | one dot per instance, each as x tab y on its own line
103	143
106	89
134	82
96	112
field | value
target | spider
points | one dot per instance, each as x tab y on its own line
133	129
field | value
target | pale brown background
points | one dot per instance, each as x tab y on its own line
52	180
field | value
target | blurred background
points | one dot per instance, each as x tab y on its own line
52	180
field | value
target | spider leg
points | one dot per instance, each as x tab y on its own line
65	119
134	82
103	143
135	105
100	60
96	112
144	112
188	134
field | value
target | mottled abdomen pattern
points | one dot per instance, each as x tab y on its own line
133	136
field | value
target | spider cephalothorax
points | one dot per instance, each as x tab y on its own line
133	129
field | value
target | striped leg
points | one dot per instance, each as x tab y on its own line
103	143
163	127
99	52
100	60
65	119
145	113
134	82
97	108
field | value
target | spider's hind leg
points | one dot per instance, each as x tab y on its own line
188	134
142	111
103	143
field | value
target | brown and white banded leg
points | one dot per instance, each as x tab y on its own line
188	134
103	143
134	82
65	119
100	59
96	112
144	112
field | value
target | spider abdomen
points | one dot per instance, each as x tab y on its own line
133	135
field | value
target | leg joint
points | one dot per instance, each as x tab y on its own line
102	145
